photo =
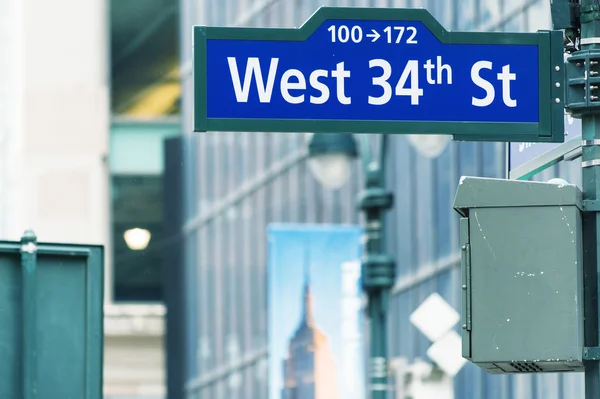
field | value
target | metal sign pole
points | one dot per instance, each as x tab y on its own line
378	267
581	21
590	38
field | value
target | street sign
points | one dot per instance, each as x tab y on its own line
369	70
436	318
527	159
51	319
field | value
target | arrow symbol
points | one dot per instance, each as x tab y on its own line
374	35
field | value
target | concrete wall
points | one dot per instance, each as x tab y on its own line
54	120
55	115
54	175
133	352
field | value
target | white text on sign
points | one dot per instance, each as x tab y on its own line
354	34
293	82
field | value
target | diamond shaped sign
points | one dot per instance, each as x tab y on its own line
434	317
446	353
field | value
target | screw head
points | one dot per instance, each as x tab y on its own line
557	84
464	326
464	287
557	100
557	68
464	247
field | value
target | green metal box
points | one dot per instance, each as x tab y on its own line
522	284
51	320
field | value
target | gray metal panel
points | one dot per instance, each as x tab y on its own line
518	271
476	192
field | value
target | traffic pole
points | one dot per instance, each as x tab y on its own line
590	42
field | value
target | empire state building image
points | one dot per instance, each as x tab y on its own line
309	368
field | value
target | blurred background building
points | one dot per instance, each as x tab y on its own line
232	185
95	141
143	66
309	369
88	91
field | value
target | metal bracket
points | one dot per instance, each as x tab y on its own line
589	13
590	163
591	353
591	205
590	143
569	150
583	81
590	40
466	286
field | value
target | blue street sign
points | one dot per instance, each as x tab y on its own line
379	71
528	159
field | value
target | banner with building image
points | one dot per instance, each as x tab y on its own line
315	317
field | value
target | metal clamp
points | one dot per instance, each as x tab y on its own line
591	353
592	162
591	205
590	40
589	164
590	143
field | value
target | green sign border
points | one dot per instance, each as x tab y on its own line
550	127
91	333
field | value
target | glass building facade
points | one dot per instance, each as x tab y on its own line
223	189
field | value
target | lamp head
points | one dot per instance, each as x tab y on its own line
329	157
429	146
137	239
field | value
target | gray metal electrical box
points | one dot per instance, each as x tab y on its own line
522	284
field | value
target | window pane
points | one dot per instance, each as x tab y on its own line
465	17
538	17
442	11
490	11
144	56
443	197
137	203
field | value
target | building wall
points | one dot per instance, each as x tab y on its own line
11	104
239	184
54	177
54	121
64	122
54	113
235	184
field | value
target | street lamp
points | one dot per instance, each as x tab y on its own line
429	145
378	268
137	239
330	156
